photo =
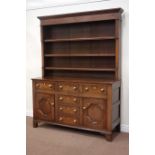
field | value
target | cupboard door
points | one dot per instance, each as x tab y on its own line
94	113
44	107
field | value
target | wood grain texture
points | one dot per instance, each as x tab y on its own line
82	17
80	83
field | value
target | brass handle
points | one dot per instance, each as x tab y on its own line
37	85
94	87
75	121
74	87
86	88
52	103
60	98
75	99
84	108
60	108
50	85
60	86
60	118
75	110
102	89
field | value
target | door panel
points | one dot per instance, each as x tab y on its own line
44	106
94	113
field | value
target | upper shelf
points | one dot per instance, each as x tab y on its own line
81	69
81	55
80	39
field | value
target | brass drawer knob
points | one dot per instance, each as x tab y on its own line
75	121
60	98
60	108
52	103
94	87
60	118
83	108
102	89
75	99
74	88
75	110
37	85
50	85
86	88
60	86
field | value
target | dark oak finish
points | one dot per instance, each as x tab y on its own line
80	84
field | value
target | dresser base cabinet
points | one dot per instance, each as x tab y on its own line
93	106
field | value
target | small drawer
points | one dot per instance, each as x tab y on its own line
44	85
68	100
68	120
94	90
68	110
67	87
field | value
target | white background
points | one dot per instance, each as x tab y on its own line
34	45
13	81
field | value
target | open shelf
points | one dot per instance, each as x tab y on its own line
86	49
81	55
80	39
94	48
80	69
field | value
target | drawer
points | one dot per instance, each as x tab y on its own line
67	87
68	110
44	85
94	90
67	99
68	120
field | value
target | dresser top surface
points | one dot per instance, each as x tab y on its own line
70	79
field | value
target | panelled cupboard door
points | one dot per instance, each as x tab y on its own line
94	113
44	106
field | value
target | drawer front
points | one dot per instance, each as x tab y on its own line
94	90
68	120
68	100
68	87
68	110
44	85
94	113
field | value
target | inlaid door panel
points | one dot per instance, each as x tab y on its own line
44	106
94	113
